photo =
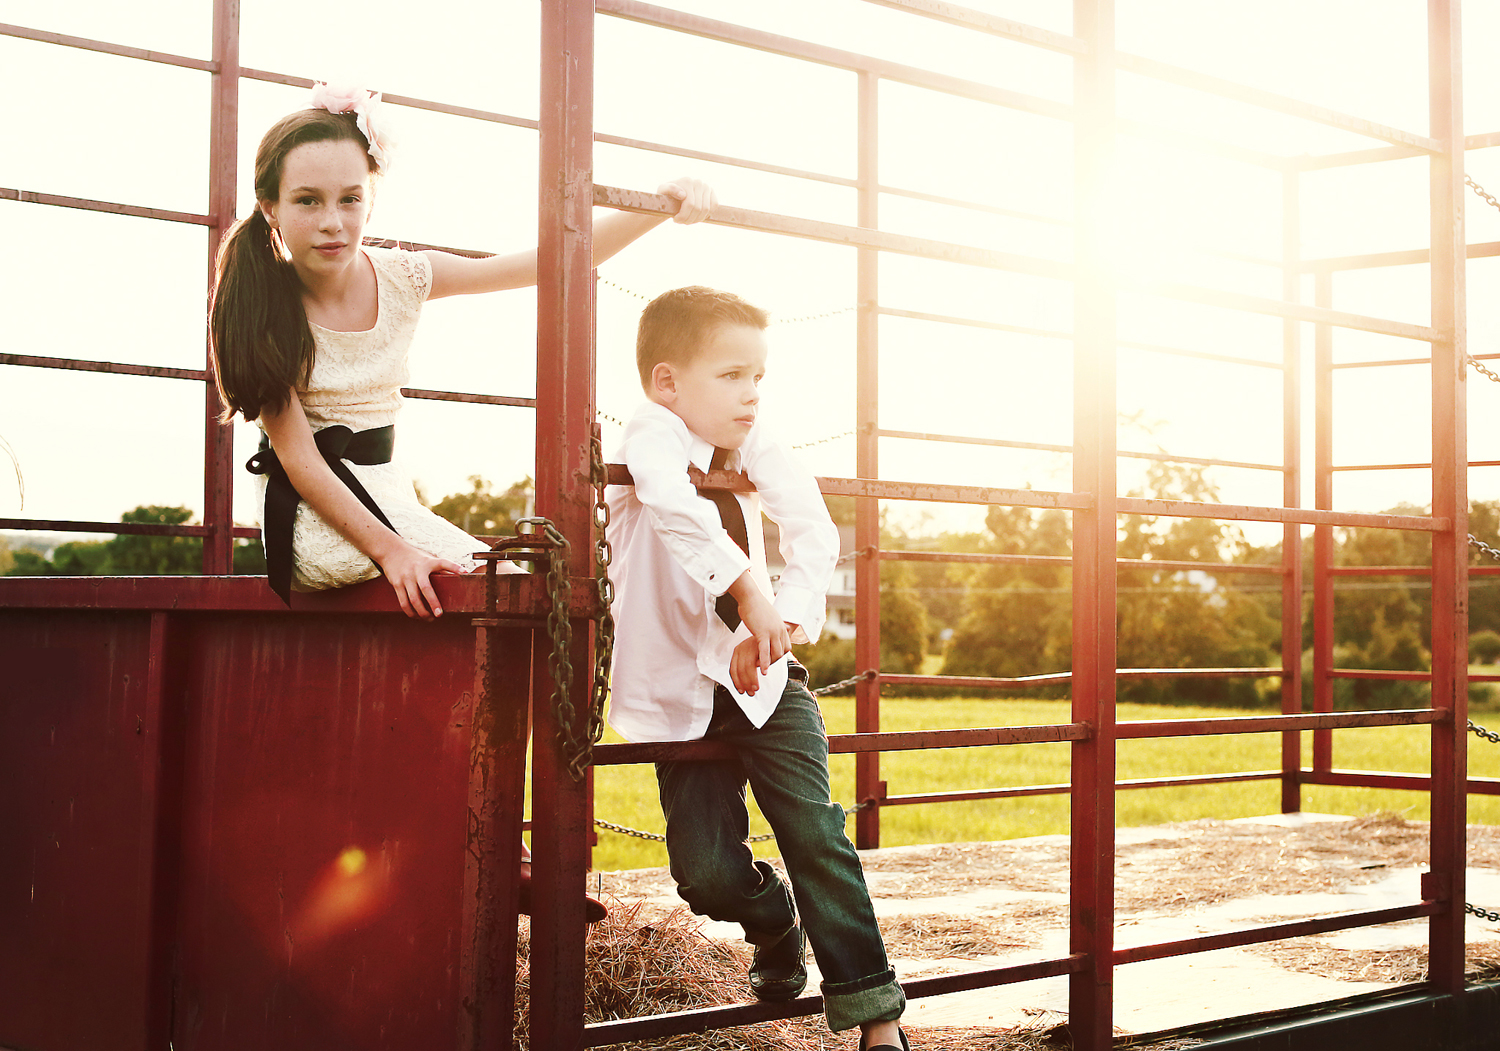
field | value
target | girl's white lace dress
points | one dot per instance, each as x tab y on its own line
356	381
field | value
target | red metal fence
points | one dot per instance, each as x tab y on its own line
565	394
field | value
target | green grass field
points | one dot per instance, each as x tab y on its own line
627	795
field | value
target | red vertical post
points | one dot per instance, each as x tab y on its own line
1450	499
1090	990
565	398
1291	489
868	788
1322	751
223	160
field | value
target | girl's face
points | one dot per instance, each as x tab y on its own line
323	206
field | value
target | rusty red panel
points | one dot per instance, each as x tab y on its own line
75	833
252	829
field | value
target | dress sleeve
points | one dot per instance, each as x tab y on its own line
416	271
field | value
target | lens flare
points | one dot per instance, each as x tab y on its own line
349	892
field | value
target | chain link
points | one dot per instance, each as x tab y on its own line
1475	542
824	441
1480	368
604	638
834	687
560	630
1471	184
1489	735
1483	914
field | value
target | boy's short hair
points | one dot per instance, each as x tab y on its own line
675	325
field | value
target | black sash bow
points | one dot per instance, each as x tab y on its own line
337	444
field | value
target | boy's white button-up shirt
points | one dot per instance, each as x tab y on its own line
672	558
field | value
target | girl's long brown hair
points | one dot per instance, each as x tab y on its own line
261	344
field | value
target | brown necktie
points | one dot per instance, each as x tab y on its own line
733	518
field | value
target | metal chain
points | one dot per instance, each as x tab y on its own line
1480	368
1483	914
560	630
1475	542
834	687
823	441
1489	735
1471	184
604	637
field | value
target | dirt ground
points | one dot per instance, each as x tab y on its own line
1176	870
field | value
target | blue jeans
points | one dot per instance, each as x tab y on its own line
785	763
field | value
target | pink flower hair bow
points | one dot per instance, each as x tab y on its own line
368	113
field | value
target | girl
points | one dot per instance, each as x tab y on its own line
310	331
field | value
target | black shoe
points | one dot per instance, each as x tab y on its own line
881	1047
779	972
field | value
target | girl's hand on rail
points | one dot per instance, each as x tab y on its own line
696	197
409	571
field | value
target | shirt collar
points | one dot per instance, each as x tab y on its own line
700	450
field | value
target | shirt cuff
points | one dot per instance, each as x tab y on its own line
804	608
722	564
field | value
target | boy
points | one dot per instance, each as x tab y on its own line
703	652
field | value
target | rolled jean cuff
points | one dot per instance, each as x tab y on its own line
876	998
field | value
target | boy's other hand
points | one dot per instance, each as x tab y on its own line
696	199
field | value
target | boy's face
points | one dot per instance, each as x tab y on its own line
716	394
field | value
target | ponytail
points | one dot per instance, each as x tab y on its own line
261	344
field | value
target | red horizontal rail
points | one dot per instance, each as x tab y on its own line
790	47
128	528
977	681
107	48
1482	786
1067	560
473	399
834	233
1202	355
1289	515
969	322
702	1020
1144	729
1380	673
1062	789
844	744
1275	932
10	193
118	367
1410	257
1007	443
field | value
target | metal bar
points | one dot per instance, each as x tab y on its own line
790	47
969	18
120	368
472	399
129	528
1450	499
106	48
1253	724
1269	100
1202	355
1275	932
1380	673
834	233
1322	611
1092	801
720	158
1028	791
223	162
1410	257
1067	560
1192	509
491	892
868	788
11	193
703	1020
950	319
1278	308
565	396
1043	447
1291	491
1484	786
1382	467
977	681
974	206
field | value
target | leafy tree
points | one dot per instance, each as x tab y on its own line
7	560
484	512
903	634
1484	647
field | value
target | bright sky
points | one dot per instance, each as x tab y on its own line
81	284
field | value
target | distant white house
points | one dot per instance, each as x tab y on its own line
840	593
